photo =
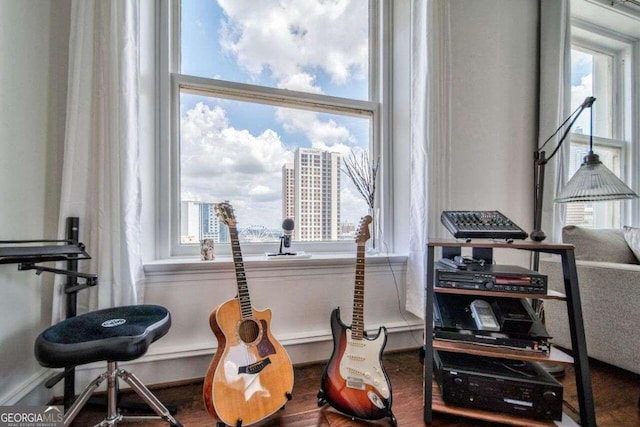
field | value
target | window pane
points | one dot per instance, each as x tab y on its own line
592	75
270	163
310	46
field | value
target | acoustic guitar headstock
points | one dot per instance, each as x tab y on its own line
226	214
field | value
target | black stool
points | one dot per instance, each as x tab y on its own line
114	334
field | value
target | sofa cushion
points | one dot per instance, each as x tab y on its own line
604	245
632	236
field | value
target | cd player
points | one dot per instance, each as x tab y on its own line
492	277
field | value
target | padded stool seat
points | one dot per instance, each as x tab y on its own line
113	334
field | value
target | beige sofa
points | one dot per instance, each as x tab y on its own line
609	283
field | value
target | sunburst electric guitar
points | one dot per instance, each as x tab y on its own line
354	381
250	376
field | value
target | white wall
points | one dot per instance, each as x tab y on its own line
493	86
33	45
300	293
494	103
494	107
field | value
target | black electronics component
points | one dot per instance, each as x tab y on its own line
512	315
462	263
453	321
491	277
510	386
481	225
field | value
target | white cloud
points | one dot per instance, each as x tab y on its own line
326	135
291	37
219	162
302	82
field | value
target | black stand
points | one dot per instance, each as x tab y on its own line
72	232
28	255
280	251
574	309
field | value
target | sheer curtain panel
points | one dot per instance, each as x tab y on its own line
430	155
555	99
100	177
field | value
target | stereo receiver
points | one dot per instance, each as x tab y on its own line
492	277
504	385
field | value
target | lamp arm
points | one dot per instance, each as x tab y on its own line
540	160
588	102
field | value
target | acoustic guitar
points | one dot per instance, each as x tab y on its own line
250	376
354	381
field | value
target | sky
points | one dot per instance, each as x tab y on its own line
233	150
582	86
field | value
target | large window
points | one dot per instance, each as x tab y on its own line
599	72
268	99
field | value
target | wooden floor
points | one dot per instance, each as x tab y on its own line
616	394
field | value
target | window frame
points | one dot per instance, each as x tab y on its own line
590	37
171	82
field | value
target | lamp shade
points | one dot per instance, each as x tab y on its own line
594	182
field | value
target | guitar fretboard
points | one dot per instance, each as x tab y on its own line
357	323
241	278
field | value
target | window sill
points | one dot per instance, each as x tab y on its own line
257	262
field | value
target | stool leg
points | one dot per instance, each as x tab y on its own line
147	396
73	411
112	394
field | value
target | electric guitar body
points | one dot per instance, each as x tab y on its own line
354	381
251	375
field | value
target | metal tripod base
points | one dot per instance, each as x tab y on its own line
113	414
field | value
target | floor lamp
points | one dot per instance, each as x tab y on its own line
592	182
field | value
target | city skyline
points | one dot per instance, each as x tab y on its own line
310	196
191	233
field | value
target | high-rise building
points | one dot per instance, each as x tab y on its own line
189	221
316	194
210	225
288	191
198	220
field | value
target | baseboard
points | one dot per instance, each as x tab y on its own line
172	365
30	392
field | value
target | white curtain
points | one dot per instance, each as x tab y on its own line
555	100
101	182
430	155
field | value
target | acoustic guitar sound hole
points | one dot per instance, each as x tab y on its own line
249	331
